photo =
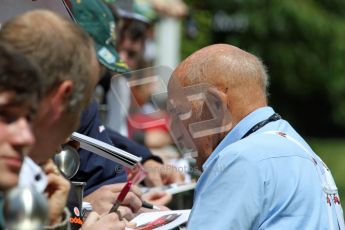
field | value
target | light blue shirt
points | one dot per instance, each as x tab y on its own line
259	182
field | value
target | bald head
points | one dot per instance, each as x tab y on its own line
236	73
210	92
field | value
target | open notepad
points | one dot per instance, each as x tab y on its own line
163	220
105	150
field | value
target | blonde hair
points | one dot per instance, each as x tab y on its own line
57	45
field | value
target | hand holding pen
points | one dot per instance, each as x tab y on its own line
104	198
122	196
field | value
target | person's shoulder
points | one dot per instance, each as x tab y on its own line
88	116
90	110
260	147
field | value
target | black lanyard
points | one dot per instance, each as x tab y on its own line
261	124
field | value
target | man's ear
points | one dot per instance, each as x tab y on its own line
215	114
219	98
218	102
61	96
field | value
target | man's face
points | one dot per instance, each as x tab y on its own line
51	130
199	117
15	137
131	52
186	111
198	148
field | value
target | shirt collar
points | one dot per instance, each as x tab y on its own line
240	130
32	175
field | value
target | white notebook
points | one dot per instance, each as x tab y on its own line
105	150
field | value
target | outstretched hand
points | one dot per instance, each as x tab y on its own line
161	174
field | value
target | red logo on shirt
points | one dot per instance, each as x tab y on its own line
75	220
281	134
336	200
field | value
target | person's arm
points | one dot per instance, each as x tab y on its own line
158	173
231	197
95	170
131	146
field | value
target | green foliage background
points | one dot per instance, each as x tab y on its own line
332	152
302	43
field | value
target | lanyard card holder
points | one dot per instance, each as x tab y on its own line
327	182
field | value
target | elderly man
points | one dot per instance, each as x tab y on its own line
70	69
258	172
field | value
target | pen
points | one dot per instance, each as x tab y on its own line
150	206
121	197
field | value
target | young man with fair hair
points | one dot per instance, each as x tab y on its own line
70	70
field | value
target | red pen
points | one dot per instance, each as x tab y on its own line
121	197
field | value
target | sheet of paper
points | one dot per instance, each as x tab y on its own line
163	220
171	188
